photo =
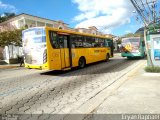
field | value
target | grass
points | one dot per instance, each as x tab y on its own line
151	69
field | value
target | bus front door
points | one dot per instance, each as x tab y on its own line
65	51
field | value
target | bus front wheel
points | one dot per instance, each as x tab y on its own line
107	57
82	62
129	58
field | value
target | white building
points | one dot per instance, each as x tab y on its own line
25	21
91	30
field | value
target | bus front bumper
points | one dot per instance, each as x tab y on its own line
131	54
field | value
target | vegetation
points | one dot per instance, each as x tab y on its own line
129	35
151	69
6	16
11	38
132	35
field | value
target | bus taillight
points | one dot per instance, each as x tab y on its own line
45	56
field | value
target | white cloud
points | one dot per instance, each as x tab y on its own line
7	7
104	14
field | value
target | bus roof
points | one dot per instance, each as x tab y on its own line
68	31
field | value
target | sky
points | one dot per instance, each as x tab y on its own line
109	16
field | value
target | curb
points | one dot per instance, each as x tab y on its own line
96	101
151	74
7	67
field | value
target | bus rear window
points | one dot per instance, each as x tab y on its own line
35	35
39	39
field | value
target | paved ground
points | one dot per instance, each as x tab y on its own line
141	94
24	91
7	66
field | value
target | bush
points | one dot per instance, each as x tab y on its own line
13	37
154	69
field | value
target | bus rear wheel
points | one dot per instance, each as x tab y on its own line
82	62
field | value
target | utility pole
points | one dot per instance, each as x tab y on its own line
147	50
146	23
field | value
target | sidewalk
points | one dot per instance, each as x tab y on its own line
140	94
137	92
7	66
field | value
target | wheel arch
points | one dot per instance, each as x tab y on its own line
82	57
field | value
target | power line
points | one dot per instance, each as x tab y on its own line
141	10
147	3
147	13
143	6
136	6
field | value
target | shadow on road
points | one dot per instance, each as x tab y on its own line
95	68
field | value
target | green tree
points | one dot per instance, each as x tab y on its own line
8	38
132	35
6	16
129	35
11	38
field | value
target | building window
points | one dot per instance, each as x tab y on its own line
21	23
30	23
49	25
40	24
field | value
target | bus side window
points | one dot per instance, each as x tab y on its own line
101	42
53	39
61	41
106	43
87	42
93	42
73	37
77	41
96	42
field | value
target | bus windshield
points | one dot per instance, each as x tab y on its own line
130	44
133	41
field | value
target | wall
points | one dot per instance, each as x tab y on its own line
1	53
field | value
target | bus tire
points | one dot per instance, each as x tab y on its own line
81	62
107	57
129	58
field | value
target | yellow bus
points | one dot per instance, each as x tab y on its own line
57	49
